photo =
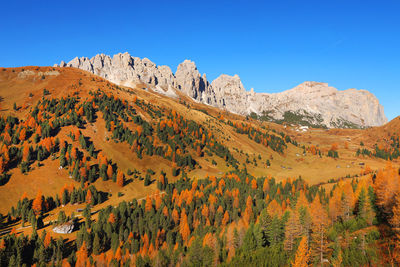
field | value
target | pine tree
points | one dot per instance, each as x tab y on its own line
147	180
274	231
64	199
337	262
61	217
96	245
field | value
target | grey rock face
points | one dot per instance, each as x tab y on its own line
317	102
189	80
125	70
230	94
65	228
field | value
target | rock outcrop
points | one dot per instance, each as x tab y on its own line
65	228
125	70
310	102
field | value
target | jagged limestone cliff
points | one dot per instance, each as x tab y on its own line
314	103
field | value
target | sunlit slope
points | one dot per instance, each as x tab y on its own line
230	141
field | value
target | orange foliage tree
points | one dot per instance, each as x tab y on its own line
198	151
47	240
109	171
120	178
22	134
2	165
386	186
112	219
149	204
89	196
334	147
183	226
302	254
254	184
225	219
25	153
395	222
37	204
292	230
320	223
81	256
175	216
139	130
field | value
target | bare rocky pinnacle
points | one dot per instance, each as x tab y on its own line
313	102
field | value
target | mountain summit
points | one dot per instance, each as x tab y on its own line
311	103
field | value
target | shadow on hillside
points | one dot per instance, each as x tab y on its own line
4	178
1	101
128	181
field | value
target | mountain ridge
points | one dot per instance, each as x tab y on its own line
315	103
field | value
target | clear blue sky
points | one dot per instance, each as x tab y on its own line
271	45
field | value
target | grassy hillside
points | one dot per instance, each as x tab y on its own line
77	147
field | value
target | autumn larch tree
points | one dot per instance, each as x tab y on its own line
120	179
139	130
47	240
225	219
25	153
22	134
111	218
386	186
149	204
183	226
81	256
292	230
319	226
89	196
334	147
254	184
2	165
74	153
109	171
118	254
395	222
302	254
37	204
348	200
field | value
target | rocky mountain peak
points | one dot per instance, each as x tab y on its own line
188	66
314	87
315	102
228	84
189	80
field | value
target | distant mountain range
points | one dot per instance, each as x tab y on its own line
310	103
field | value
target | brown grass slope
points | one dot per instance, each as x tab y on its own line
24	86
